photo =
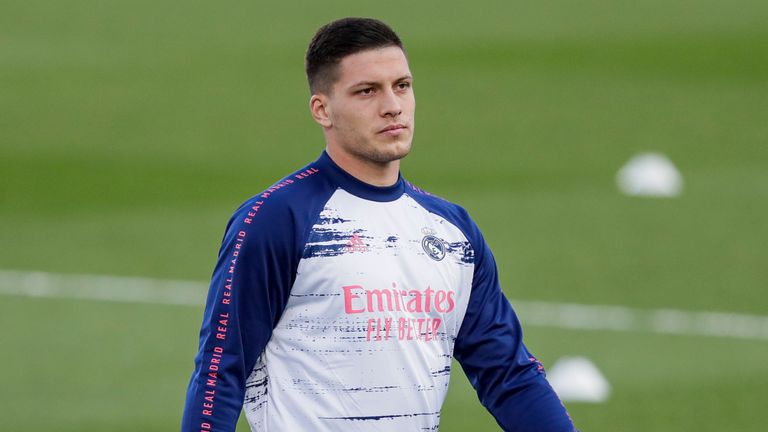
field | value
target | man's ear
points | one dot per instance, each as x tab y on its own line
318	106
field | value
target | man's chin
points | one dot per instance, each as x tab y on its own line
392	152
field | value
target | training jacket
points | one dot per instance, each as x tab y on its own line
336	305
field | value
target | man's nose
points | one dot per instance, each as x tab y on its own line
390	104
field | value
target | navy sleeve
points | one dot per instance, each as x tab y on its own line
509	381
249	289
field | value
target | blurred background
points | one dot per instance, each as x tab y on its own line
130	130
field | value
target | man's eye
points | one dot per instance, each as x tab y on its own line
366	91
404	85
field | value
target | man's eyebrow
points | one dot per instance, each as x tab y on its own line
376	83
364	83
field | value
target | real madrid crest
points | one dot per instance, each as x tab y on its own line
433	246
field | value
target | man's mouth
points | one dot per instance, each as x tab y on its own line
393	129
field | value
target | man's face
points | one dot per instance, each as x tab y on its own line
371	106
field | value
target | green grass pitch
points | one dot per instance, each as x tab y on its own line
129	131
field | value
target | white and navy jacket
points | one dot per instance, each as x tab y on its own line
338	306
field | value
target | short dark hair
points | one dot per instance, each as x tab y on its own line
341	38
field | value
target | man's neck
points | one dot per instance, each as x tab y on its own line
373	173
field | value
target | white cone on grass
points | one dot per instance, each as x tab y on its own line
651	175
576	379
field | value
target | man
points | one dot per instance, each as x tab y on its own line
343	292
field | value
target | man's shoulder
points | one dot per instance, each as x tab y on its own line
298	192
449	210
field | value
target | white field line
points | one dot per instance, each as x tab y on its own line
532	313
106	288
621	318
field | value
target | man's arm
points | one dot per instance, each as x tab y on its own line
509	381
248	292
